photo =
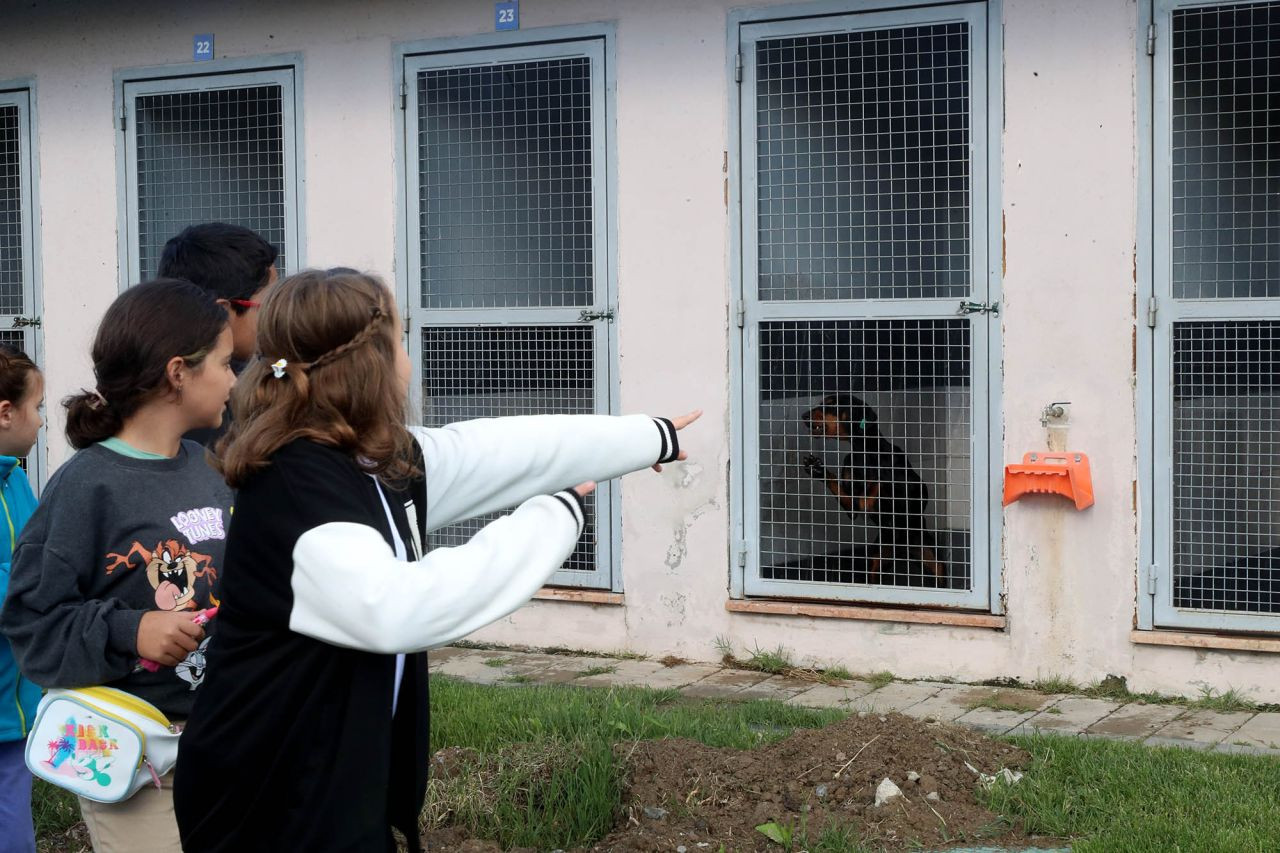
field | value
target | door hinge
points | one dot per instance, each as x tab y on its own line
404	94
1152	307
1152	573
1151	40
124	117
979	308
26	322
737	68
741	314
586	316
742	555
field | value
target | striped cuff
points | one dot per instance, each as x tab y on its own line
576	505
670	443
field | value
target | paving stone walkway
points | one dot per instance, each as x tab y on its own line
997	710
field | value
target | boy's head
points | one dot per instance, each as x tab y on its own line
234	264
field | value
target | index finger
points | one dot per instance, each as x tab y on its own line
192	629
684	420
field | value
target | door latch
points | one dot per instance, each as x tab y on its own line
979	308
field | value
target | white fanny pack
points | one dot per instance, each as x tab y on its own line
100	743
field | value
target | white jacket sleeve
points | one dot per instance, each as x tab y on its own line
479	466
350	590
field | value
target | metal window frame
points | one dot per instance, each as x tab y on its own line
986	337
284	70
22	94
597	42
1155	342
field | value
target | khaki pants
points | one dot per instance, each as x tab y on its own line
144	823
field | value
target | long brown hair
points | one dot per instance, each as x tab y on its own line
16	369
144	329
336	332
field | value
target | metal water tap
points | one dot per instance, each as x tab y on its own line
1053	412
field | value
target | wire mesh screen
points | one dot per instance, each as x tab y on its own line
863	164
1226	465
865	464
17	339
11	211
505	158
1226	152
210	156
495	371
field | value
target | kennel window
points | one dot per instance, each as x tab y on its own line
1217	343
511	288
865	409
18	304
216	149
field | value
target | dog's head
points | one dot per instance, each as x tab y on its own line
841	416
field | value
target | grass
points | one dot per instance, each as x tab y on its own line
1118	796
995	703
596	670
879	679
775	662
1054	684
558	742
1105	796
583	653
551	753
778	662
833	674
1225	703
53	811
1114	688
497	662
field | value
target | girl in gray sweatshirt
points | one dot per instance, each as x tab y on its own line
127	544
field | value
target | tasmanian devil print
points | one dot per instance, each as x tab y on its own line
172	569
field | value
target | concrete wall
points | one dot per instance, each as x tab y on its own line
1068	185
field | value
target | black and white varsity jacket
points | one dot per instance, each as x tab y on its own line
292	743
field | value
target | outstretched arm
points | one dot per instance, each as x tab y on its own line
350	590
484	465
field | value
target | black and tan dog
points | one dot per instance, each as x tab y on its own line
877	479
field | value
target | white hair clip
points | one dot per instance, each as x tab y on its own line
277	368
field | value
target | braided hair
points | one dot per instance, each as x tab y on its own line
327	374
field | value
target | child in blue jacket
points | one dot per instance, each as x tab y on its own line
21	400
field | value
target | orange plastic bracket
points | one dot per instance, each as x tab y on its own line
1065	474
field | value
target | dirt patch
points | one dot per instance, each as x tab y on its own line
680	792
455	838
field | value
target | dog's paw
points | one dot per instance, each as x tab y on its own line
813	465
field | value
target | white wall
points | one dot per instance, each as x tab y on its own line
1069	190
